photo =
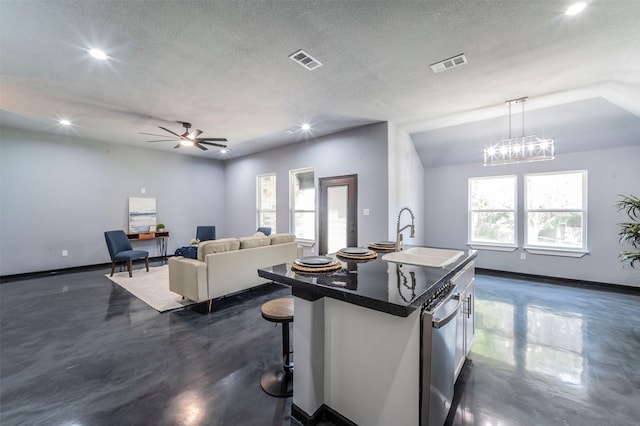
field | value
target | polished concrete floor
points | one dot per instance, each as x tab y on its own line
551	355
76	349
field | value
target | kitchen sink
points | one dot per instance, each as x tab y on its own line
424	256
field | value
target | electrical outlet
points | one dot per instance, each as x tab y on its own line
65	253
366	212
523	256
143	190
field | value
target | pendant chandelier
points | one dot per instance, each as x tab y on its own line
519	149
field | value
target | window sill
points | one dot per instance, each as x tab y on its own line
556	252
478	246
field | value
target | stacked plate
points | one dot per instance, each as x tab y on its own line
356	253
316	262
383	245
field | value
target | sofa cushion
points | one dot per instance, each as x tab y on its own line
217	246
282	238
253	242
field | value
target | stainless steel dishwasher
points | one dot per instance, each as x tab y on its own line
438	329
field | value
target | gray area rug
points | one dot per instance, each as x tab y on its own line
151	287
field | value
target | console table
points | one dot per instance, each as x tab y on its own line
160	237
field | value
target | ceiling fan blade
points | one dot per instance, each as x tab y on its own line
204	148
212	143
193	135
152	134
167	130
177	146
212	139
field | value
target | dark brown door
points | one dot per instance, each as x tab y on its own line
338	213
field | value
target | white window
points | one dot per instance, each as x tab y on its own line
492	211
266	201
303	204
556	210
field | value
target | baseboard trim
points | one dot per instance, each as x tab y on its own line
70	270
569	282
324	413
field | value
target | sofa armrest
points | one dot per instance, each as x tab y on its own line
188	278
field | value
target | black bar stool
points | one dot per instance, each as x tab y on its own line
278	380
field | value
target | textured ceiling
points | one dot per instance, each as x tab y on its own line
224	67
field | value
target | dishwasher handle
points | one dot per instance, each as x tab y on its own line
441	322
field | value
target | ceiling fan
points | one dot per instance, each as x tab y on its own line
189	138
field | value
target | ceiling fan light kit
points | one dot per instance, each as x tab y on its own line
519	149
189	138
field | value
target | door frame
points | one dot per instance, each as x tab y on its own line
351	181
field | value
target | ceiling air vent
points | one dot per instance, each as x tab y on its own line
306	60
447	64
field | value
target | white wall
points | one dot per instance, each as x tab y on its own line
610	172
406	185
361	151
59	192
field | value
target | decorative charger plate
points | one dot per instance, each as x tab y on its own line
383	246
317	261
357	251
385	243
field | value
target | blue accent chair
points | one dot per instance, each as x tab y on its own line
266	230
120	250
206	233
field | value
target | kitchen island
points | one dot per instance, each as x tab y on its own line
357	338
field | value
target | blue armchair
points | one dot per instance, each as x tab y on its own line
120	250
206	233
266	230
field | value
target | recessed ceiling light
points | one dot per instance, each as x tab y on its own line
98	54
575	8
305	126
224	151
64	122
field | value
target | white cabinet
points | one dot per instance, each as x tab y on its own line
465	287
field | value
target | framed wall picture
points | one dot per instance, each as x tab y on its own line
152	228
142	214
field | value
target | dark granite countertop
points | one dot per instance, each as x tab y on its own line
376	284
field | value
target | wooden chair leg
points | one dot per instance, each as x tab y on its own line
210	302
113	267
146	262
129	267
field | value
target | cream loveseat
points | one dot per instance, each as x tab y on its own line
229	265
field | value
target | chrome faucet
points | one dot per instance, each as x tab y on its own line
399	230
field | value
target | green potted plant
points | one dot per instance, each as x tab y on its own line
630	231
160	227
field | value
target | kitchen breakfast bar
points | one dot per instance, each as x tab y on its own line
379	342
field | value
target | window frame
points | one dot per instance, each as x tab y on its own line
492	245
557	250
259	209
293	211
